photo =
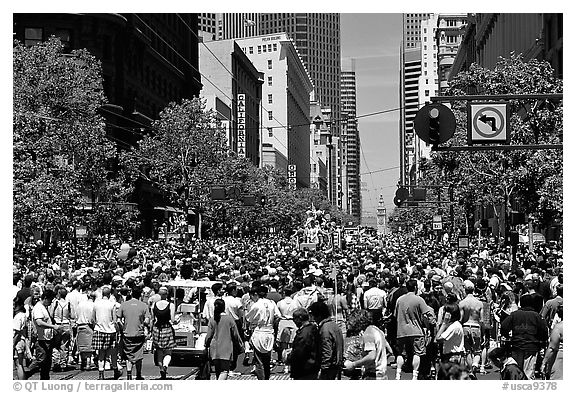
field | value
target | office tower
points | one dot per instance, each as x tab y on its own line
410	71
350	138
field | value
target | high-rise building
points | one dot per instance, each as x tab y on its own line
350	138
428	80
235	81
410	71
317	38
208	26
448	38
285	103
238	25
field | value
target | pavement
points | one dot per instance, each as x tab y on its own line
179	370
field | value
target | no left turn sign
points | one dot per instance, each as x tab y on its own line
488	123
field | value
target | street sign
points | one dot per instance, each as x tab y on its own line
488	122
436	225
437	219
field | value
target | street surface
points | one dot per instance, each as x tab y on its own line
181	371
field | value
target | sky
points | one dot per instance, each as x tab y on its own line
373	40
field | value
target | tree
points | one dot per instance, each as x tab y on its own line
61	154
531	179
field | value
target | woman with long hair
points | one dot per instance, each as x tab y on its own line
222	340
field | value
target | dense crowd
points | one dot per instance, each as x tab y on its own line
422	307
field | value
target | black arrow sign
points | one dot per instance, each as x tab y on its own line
492	120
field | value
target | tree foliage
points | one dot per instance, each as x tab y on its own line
61	155
186	154
531	178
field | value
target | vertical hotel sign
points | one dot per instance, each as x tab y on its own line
292	177
241	110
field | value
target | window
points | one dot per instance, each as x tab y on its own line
313	167
269	47
426	92
264	48
32	35
269	98
269	64
251	50
64	35
275	46
269	81
270	132
259	49
270	116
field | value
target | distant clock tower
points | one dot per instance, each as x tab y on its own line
381	217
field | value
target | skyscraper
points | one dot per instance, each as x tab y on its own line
410	71
350	139
317	38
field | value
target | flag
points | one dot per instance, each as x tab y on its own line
249	22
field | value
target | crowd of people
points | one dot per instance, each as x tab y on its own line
426	308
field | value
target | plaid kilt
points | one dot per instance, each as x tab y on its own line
163	337
102	340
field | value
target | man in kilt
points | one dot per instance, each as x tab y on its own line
104	337
85	325
163	340
135	315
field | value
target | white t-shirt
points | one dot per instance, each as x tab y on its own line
104	310
40	312
233	307
261	315
454	338
374	339
19	321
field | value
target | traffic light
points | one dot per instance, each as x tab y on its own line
435	123
434	126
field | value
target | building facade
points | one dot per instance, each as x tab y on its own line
148	61
317	38
449	32
237	82
285	101
350	137
323	155
428	80
490	36
410	71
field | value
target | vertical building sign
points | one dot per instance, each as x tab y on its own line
292	177
241	110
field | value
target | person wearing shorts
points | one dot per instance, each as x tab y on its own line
471	309
410	312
